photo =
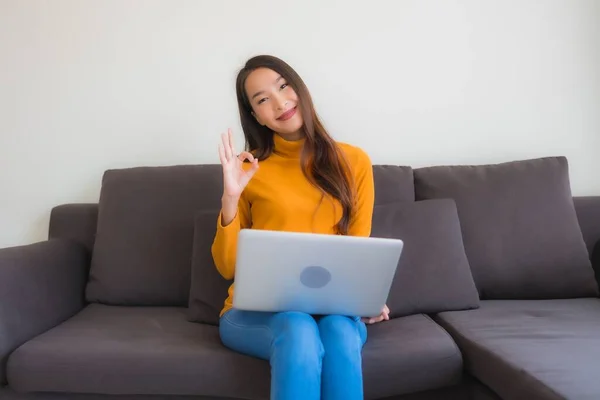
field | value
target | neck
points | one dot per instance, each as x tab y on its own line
288	146
290	137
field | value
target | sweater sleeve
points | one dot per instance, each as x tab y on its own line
360	225
224	247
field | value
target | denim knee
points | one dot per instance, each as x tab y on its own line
298	334
341	334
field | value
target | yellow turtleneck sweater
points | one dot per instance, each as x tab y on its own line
279	197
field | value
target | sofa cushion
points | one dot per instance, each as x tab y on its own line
208	289
588	213
143	249
135	350
154	350
9	394
393	183
519	226
433	273
408	355
531	349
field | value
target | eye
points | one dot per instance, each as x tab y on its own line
261	101
283	86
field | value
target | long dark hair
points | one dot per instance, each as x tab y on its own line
322	161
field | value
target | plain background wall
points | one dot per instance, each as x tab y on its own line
91	85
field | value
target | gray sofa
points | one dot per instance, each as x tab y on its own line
495	296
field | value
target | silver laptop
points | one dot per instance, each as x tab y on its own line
313	273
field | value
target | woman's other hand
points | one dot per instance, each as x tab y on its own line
384	316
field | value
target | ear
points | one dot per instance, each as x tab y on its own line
257	119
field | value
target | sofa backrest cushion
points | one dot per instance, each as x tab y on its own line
588	214
393	183
519	226
208	291
433	273
143	249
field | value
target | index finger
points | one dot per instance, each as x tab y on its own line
246	155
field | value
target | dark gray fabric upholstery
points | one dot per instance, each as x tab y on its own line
407	355
468	390
154	350
208	289
433	274
41	285
393	183
588	213
8	394
520	228
135	350
143	249
76	222
596	261
535	349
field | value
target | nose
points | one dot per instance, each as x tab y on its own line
281	103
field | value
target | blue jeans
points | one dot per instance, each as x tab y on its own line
311	357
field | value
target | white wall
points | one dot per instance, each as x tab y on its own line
91	85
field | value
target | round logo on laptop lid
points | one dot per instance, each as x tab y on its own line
315	277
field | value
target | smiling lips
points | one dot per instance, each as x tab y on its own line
287	115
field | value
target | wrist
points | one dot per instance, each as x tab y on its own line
229	201
229	206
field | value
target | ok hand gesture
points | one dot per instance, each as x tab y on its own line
235	178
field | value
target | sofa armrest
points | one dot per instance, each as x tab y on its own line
41	285
76	222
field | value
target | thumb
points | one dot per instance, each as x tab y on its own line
253	169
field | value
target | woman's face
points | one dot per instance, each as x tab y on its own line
274	103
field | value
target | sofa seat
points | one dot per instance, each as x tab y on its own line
134	350
156	351
531	349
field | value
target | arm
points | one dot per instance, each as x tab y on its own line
224	247
41	285
360	225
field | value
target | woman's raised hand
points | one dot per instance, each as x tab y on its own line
235	178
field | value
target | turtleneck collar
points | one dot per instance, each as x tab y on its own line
288	148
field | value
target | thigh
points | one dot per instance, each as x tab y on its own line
247	332
253	333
